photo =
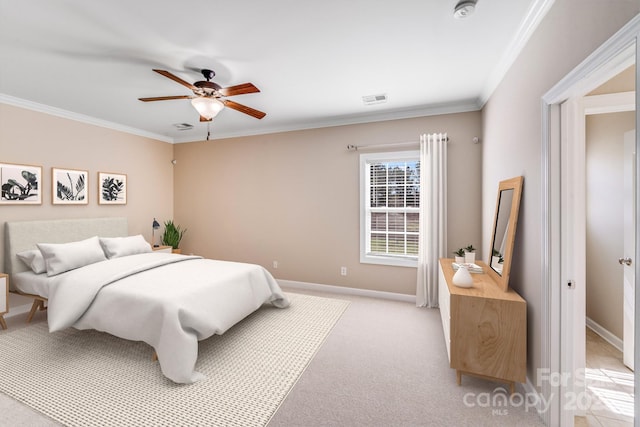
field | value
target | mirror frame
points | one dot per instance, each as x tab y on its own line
502	280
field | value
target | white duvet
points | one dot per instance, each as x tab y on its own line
168	301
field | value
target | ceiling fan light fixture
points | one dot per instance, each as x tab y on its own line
207	107
464	9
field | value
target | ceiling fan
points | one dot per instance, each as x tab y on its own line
208	97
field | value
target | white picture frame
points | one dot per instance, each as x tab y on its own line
112	188
69	186
21	184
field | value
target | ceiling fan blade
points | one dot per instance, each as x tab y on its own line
239	89
166	98
244	109
175	79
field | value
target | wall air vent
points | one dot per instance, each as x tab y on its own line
183	126
374	99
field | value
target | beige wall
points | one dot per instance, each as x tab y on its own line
35	138
605	225
294	198
623	82
512	131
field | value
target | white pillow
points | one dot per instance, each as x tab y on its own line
115	247
34	260
61	257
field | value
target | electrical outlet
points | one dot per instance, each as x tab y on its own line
275	264
343	271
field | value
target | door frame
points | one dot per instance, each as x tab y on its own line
558	188
630	170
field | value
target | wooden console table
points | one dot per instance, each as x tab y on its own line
485	328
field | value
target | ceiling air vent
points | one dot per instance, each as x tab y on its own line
183	126
374	99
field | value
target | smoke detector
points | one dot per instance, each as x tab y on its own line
464	9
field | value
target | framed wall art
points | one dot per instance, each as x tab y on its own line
21	184
112	188
69	186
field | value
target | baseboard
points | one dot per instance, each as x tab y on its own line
347	291
605	334
532	398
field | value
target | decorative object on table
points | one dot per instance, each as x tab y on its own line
471	268
459	255
112	188
154	226
172	235
69	186
21	184
462	278
469	254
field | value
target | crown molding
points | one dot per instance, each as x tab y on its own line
425	111
59	112
529	24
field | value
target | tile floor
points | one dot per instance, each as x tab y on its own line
609	386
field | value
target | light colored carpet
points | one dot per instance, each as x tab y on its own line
88	378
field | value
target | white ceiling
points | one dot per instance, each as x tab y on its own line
313	61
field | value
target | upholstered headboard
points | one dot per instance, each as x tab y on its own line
24	235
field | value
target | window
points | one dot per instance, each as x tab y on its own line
389	208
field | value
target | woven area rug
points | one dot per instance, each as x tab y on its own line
89	378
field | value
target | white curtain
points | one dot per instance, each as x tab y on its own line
433	216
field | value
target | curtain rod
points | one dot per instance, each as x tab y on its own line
352	147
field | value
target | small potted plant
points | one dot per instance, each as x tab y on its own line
459	256
496	258
172	235
470	254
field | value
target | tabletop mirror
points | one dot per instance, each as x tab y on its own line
504	230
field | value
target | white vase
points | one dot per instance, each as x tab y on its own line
459	259
463	278
470	257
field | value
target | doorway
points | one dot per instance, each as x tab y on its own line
609	173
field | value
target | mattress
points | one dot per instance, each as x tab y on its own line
29	282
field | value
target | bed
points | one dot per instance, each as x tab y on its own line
169	301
